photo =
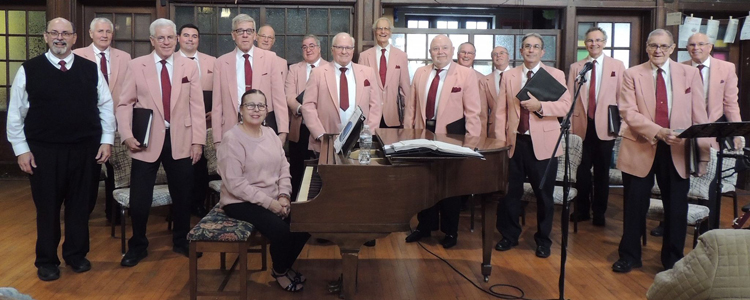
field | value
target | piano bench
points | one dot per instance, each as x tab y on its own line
217	232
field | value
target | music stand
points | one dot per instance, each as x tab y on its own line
718	130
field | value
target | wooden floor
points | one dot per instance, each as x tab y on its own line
391	270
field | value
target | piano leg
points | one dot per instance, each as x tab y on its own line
349	261
489	216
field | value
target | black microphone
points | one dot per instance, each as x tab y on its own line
586	67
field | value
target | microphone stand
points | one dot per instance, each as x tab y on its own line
564	132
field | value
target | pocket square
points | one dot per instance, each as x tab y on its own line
722	81
264	74
456	89
367	82
185	80
687	91
210	72
398	67
613	74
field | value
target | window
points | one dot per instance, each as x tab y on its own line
131	32
449	22
291	24
618	40
21	38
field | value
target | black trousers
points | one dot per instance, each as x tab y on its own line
298	153
636	197
200	183
599	154
64	175
443	214
524	164
285	245
179	181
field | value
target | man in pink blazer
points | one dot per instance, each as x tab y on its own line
466	54
299	135
247	67
392	67
590	121
266	38
443	97
169	85
323	109
533	141
112	63
657	98
489	86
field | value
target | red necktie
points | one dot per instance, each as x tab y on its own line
166	89
344	90
700	70
432	95
523	125
193	58
592	91
500	82
62	66
248	73
103	63
383	67
662	109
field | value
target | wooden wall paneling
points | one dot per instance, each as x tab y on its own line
570	39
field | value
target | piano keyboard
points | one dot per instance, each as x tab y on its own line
311	184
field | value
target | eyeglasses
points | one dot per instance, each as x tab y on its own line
466	53
249	31
310	46
342	48
253	106
529	46
598	41
263	36
663	47
701	45
162	39
64	34
382	29
498	54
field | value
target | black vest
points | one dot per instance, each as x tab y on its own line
63	106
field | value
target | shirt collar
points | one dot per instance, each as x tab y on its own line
349	66
56	61
665	67
387	48
316	63
184	55
599	60
240	53
448	66
498	71
97	51
170	59
706	63
534	69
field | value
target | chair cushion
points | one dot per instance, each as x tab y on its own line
217	226
696	212
557	194
209	152
215	185
121	164
615	177
576	153
161	196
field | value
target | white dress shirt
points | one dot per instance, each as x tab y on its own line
197	61
309	69
379	53
443	74
19	107
523	83
107	57
668	82
705	73
352	84
170	68
497	78
599	67
240	67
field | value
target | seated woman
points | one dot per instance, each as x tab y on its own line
256	186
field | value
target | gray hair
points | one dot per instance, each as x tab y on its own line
375	24
467	43
314	37
660	31
335	37
596	28
242	18
101	20
63	19
533	34
160	23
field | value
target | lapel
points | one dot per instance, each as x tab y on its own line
230	73
714	79
678	88
584	93
514	81
423	77
445	94
391	67
646	80
611	82
178	72
154	82
330	78
359	77
302	77
114	58
490	80
259	66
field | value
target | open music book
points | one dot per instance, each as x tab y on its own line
423	147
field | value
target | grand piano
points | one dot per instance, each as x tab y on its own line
336	201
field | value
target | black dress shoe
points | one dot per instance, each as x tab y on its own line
48	273
417	235
542	251
83	266
505	245
575	217
185	251
658	231
132	258
370	243
599	221
624	266
449	241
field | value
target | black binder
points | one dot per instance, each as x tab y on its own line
614	120
400	104
270	121
457	127
208	100
142	118
301	97
543	86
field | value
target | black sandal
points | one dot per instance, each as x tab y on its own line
297	275
293	286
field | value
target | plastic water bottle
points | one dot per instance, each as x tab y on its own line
365	144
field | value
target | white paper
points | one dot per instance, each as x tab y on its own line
692	25
745	33
674	18
731	30
712	30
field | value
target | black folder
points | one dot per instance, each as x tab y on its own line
543	86
270	121
208	100
301	97
400	104
142	118
457	127
614	119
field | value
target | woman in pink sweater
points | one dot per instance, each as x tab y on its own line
256	186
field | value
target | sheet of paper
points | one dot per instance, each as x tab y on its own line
691	26
712	30
674	18
731	30
745	33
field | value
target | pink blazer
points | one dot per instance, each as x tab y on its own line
396	75
141	88
507	114
458	99
320	107
296	80
487	97
266	77
722	92
206	63
638	108
609	94
118	61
